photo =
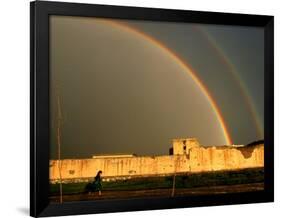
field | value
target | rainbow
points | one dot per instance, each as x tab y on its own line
183	64
246	95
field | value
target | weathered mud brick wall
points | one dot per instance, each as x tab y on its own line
134	166
226	158
186	155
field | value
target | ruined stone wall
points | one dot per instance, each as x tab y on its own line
183	146
226	158
134	166
199	159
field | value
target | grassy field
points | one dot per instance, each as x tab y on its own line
182	181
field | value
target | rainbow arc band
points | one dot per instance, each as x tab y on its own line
245	92
183	64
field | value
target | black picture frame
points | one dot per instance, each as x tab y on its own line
39	107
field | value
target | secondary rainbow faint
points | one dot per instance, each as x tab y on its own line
245	93
183	64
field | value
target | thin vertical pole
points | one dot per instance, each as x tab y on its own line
174	181
59	145
174	177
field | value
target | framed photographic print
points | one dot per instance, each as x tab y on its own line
141	109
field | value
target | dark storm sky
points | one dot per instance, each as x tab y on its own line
122	94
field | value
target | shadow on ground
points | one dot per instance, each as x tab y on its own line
23	210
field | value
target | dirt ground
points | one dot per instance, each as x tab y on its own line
211	190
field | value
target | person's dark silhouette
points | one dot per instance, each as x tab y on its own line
95	185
